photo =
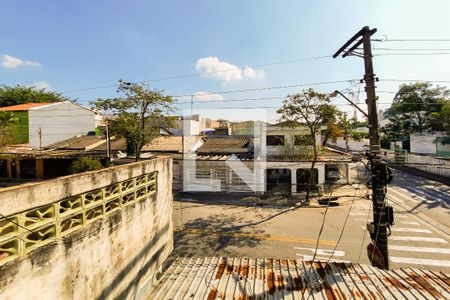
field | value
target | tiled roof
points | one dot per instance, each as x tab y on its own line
165	144
25	106
225	145
77	142
267	278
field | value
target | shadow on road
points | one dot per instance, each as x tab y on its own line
212	235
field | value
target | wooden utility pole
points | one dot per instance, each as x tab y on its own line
380	173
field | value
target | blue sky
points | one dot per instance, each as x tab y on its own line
74	45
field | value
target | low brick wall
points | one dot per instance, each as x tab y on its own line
97	235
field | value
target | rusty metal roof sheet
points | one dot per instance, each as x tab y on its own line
267	278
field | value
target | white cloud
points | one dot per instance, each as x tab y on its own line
12	62
204	96
253	73
225	71
41	85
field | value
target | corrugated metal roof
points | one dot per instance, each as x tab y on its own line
267	278
25	106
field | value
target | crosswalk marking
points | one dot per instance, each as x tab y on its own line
420	261
322	251
417	239
419	249
417	230
399	195
409	223
358	214
430	194
308	257
422	230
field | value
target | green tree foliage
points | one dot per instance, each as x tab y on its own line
139	114
12	95
444	116
312	109
84	164
416	108
7	122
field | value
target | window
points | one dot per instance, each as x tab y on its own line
275	140
303	140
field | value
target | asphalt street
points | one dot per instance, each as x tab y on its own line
420	237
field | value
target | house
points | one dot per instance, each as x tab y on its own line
289	142
42	124
219	163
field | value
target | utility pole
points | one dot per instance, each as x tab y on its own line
380	173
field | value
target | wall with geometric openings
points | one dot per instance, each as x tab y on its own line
112	226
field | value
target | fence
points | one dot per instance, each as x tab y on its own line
429	164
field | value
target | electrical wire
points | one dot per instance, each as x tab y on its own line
411	54
410	40
205	73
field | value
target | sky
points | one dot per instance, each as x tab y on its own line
81	48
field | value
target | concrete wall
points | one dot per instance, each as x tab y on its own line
426	143
352	145
58	122
110	255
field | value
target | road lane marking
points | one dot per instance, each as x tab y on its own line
308	257
322	251
409	223
419	249
417	239
255	236
420	261
411	230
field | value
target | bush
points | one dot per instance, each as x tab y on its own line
84	164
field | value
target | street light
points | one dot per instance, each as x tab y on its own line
335	93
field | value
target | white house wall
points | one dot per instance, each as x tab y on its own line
58	122
423	143
229	181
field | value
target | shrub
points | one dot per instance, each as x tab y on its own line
84	164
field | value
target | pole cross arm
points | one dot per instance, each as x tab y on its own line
352	39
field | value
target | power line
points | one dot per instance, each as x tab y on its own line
413	49
271	88
410	40
416	80
206	73
412	54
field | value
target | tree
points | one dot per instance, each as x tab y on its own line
84	164
415	108
313	110
444	117
138	114
7	133
332	118
12	95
